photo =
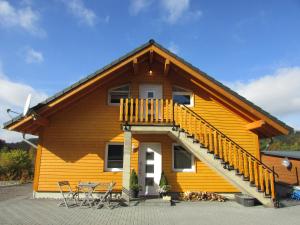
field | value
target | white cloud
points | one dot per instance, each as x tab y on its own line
13	96
84	14
22	17
173	47
277	93
33	56
136	6
173	11
179	10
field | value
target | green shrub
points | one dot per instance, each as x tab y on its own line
134	181
163	180
15	165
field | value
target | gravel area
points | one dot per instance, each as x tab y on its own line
15	191
17	207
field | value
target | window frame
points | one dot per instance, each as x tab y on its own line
186	92
111	90
192	169
106	169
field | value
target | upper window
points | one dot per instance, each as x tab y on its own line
183	161
114	157
182	96
115	94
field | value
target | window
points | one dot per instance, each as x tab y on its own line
183	161
114	157
182	96
115	94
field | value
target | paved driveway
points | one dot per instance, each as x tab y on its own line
21	209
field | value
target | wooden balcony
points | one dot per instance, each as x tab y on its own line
146	111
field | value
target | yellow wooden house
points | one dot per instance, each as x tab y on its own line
151	111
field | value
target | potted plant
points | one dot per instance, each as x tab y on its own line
164	187
134	184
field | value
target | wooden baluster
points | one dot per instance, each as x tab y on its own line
184	120
210	137
121	109
256	177
221	148
230	154
136	110
162	110
190	123
167	110
193	126
273	194
156	111
241	162
225	150
126	109
261	178
171	111
216	150
175	113
131	110
201	132
266	173
250	170
151	110
142	110
205	136
246	166
146	110
179	116
235	161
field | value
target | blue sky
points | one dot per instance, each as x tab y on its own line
252	46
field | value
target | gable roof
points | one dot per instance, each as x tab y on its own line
150	43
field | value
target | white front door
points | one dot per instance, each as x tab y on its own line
149	168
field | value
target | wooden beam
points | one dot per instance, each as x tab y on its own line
255	125
39	120
167	67
135	66
151	56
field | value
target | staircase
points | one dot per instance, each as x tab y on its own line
206	142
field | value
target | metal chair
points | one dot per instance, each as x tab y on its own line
105	199
67	194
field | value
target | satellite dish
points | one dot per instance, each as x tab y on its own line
27	105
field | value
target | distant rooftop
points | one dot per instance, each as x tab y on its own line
289	154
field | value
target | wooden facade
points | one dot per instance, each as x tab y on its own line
81	123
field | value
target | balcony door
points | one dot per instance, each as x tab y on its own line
150	91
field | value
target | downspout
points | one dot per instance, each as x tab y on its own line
32	145
28	142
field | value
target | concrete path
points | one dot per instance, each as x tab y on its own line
21	209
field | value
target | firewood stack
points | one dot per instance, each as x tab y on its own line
202	196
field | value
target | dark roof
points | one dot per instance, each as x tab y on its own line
150	42
288	154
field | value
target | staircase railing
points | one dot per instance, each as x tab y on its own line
232	154
164	111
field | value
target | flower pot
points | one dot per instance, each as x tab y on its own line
134	193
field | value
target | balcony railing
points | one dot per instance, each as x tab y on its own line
134	110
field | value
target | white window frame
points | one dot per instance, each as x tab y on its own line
192	169
111	89
106	156
187	92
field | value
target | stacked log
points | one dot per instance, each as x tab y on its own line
202	196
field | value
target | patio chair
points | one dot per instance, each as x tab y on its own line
67	194
105	199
